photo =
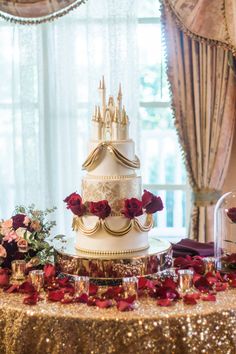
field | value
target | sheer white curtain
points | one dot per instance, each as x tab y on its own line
50	78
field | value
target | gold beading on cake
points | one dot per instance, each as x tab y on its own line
112	177
95	156
78	225
132	250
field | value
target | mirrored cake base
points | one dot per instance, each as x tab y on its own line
107	268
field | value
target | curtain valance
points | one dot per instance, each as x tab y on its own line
207	20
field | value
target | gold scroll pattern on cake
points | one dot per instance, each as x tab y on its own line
96	155
78	225
113	191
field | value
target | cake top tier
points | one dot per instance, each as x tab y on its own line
110	121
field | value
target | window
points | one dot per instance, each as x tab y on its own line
48	95
163	171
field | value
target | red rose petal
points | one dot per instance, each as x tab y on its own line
49	270
104	304
83	299
169	283
221	286
93	289
164	302
123	305
26	288
12	288
55	295
209	297
32	299
189	300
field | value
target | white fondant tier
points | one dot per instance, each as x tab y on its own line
108	165
103	242
113	190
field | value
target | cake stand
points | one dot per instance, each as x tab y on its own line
110	268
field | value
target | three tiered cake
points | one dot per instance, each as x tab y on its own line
112	215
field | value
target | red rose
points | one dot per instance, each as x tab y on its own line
74	203
151	203
49	270
132	207
18	221
101	209
231	213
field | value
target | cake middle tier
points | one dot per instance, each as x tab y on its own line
114	190
108	164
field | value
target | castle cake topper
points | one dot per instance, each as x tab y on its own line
110	121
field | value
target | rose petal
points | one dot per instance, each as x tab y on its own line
103	304
26	288
12	288
49	270
55	295
83	299
221	286
169	283
123	305
189	300
164	302
93	289
32	299
209	297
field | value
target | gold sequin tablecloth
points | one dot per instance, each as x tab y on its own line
76	328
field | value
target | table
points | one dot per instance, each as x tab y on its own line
76	328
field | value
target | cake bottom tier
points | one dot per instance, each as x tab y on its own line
115	235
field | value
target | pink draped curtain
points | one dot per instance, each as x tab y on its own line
203	91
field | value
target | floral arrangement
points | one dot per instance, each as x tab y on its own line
26	235
132	207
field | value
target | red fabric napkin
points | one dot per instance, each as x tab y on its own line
192	248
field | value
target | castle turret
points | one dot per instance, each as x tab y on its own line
97	124
115	125
124	125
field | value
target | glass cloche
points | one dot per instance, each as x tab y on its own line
225	231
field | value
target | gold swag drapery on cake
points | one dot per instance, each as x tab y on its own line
203	97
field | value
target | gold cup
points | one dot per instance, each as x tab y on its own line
37	279
18	269
81	284
210	264
185	281
130	285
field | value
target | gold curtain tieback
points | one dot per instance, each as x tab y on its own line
205	197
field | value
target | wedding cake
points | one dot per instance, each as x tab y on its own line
112	215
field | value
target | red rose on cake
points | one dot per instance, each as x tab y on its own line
231	213
132	207
151	203
101	209
74	203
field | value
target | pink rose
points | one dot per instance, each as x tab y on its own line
26	221
132	207
22	245
11	236
151	203
101	209
7	224
3	252
74	203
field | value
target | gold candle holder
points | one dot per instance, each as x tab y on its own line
37	279
18	269
185	281
210	264
130	285
81	284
